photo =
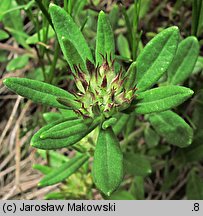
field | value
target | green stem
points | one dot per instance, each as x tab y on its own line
53	66
135	34
70	6
134	134
44	11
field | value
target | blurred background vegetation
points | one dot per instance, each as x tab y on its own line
29	48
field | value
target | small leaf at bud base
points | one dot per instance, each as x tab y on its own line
108	123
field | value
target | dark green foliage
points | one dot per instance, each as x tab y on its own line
108	162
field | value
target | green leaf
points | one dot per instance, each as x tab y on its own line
66	28
13	23
159	150
108	123
170	179
130	77
121	195
137	188
68	113
37	91
54	196
67	128
108	162
35	37
72	54
194	189
49	144
55	158
43	169
184	61
17	63
78	6
137	164
72	104
123	46
151	137
172	127
4	6
121	122
197	17
156	57
114	16
3	35
64	171
50	117
194	152
161	99
105	39
198	66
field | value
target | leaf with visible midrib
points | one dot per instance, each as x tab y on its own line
66	28
156	57
108	162
161	99
39	92
64	171
49	144
184	61
172	127
105	39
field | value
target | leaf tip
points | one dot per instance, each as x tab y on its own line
5	81
51	5
191	92
33	144
42	136
40	184
108	193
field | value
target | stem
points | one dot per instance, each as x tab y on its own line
135	34
70	6
134	134
44	11
53	66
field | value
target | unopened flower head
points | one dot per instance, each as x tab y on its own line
101	90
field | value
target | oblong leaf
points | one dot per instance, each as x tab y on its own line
121	122
65	27
194	188
151	137
105	39
108	162
3	35
64	171
67	129
161	99
184	61
49	144
43	169
17	63
130	76
123	46
50	117
35	37
72	54
56	159
156	57
37	91
172	127
136	164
